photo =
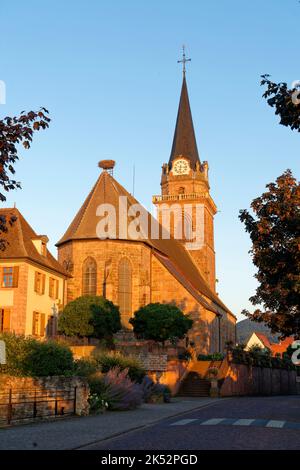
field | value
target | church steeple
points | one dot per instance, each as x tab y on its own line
185	192
184	142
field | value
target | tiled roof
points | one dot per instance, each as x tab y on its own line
19	237
263	339
176	257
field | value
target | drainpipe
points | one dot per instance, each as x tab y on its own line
219	331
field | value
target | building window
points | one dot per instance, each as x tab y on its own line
53	288
89	277
39	283
4	320
44	249
181	190
125	288
10	276
38	324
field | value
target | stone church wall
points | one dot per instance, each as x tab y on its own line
165	288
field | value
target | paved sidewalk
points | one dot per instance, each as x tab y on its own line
72	433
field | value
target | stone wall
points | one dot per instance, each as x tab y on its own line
242	380
43	391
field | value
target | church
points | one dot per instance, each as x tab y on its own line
135	271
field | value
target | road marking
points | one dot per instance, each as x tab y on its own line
182	422
259	423
212	422
275	424
243	422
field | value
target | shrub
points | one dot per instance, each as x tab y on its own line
211	357
49	358
160	322
29	357
212	372
85	367
122	393
108	361
260	358
153	392
90	316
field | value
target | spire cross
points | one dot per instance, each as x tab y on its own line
184	60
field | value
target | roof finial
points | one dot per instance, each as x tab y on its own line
184	60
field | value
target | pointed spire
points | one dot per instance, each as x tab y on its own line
184	142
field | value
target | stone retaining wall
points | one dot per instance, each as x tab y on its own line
27	390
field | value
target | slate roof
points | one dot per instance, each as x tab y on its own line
184	141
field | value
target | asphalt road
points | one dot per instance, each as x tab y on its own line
254	423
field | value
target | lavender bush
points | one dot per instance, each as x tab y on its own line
122	393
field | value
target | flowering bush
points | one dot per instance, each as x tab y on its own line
122	393
97	403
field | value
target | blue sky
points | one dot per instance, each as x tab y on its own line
108	73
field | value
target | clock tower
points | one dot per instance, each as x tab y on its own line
185	207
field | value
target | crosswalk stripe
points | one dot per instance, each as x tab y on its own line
275	424
182	422
243	422
212	421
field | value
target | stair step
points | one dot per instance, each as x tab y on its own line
194	386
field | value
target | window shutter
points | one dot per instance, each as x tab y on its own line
36	275
43	283
15	276
33	322
6	320
56	289
42	324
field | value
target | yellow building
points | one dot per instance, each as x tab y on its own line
32	282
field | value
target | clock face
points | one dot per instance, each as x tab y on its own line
181	167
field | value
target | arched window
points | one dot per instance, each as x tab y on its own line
187	227
181	190
125	289
89	277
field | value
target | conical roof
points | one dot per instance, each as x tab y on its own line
184	141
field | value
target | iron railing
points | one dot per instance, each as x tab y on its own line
19	405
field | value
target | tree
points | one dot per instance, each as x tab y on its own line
90	316
275	235
160	322
14	131
285	101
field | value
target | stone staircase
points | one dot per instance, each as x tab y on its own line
194	385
